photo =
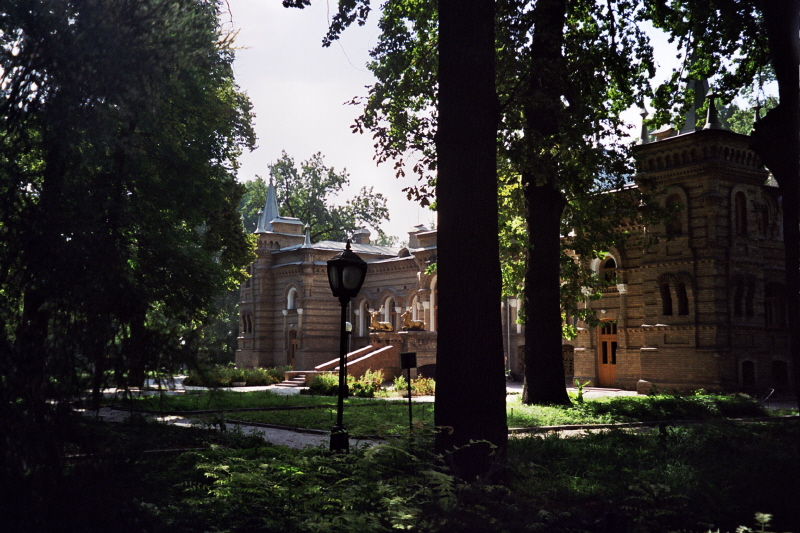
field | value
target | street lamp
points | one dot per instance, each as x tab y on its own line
346	273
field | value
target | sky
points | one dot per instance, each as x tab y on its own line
298	90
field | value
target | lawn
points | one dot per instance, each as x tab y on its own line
382	417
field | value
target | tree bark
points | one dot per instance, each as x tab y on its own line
544	365
776	139
471	394
544	204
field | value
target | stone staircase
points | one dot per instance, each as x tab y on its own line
296	380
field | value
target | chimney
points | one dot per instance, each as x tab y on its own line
361	236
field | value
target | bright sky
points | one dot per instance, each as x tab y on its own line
298	90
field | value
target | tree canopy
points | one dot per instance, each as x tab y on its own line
309	192
120	124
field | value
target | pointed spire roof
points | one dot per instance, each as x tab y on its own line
270	211
700	90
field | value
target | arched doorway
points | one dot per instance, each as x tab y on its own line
607	354
292	348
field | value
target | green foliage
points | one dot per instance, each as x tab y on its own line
423	386
718	39
225	375
675	479
323	385
653	408
309	192
400	383
363	387
678	479
120	126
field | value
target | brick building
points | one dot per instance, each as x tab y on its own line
702	308
288	315
705	306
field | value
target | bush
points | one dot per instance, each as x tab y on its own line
423	386
323	385
225	375
400	384
364	387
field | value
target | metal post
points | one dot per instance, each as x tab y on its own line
340	440
410	423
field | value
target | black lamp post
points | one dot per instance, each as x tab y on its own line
346	273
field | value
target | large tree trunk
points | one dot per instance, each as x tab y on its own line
544	204
776	139
470	388
544	365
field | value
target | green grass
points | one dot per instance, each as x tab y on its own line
223	399
635	409
381	417
372	417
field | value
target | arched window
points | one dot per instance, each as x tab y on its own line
608	270
750	286
774	305
738	295
389	313
291	299
666	299
364	319
740	213
748	373
674	206
683	298
763	221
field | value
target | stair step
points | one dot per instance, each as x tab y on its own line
297	381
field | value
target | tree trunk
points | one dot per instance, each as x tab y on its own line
470	388
776	139
544	204
544	365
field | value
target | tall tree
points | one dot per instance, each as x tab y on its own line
470	404
566	69
309	192
471	396
120	124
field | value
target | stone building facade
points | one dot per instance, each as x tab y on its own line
704	307
288	315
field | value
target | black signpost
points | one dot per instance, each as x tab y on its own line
408	360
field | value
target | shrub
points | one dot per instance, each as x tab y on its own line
423	386
323	385
364	387
224	375
367	385
400	384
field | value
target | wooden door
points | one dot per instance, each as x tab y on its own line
607	355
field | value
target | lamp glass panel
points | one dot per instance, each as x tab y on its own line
333	277
351	277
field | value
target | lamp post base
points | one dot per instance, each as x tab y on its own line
340	440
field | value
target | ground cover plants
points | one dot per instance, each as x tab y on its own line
689	479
